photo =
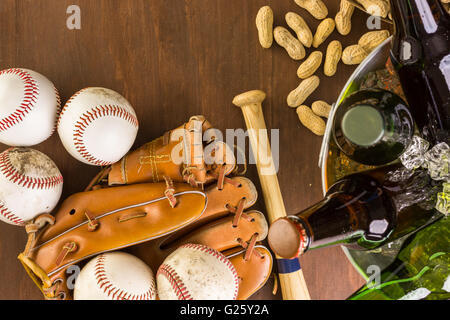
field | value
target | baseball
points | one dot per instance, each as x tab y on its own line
98	126
29	107
115	276
197	272
30	185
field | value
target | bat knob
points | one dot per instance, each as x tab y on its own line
249	98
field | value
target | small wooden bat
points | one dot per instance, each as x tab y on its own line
292	282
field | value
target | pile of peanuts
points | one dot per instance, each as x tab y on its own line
313	117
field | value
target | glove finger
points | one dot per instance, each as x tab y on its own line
241	191
219	160
234	190
97	203
219	204
166	156
194	171
253	273
222	234
138	213
178	155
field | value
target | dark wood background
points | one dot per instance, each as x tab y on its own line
173	59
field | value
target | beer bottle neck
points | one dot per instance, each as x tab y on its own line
337	219
327	223
406	47
400	14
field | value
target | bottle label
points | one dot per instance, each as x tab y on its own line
406	52
410	50
446	285
445	69
426	15
417	294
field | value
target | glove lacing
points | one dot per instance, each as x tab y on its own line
170	192
239	214
32	228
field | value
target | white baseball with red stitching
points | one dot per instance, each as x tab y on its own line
115	276
29	107
197	272
98	126
30	185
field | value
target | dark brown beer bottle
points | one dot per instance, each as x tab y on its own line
362	211
421	54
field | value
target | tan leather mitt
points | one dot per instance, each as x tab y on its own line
151	220
189	153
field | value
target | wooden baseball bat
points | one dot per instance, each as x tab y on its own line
292	282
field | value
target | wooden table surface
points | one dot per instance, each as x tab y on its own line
173	59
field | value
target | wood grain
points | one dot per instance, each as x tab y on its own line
173	59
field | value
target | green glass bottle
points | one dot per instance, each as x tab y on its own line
373	126
420	271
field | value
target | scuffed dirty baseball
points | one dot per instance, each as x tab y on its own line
29	107
197	272
115	276
30	185
98	126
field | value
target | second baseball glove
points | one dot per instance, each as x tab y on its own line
189	153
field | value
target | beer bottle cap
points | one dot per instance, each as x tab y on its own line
287	238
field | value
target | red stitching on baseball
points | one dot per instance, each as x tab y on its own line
64	109
31	94
8	170
115	293
175	281
90	116
4	211
219	256
58	109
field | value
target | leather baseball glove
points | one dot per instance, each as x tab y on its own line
189	154
151	205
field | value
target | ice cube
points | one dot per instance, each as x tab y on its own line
399	175
412	187
414	156
438	162
443	200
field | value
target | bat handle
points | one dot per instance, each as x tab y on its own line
292	282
